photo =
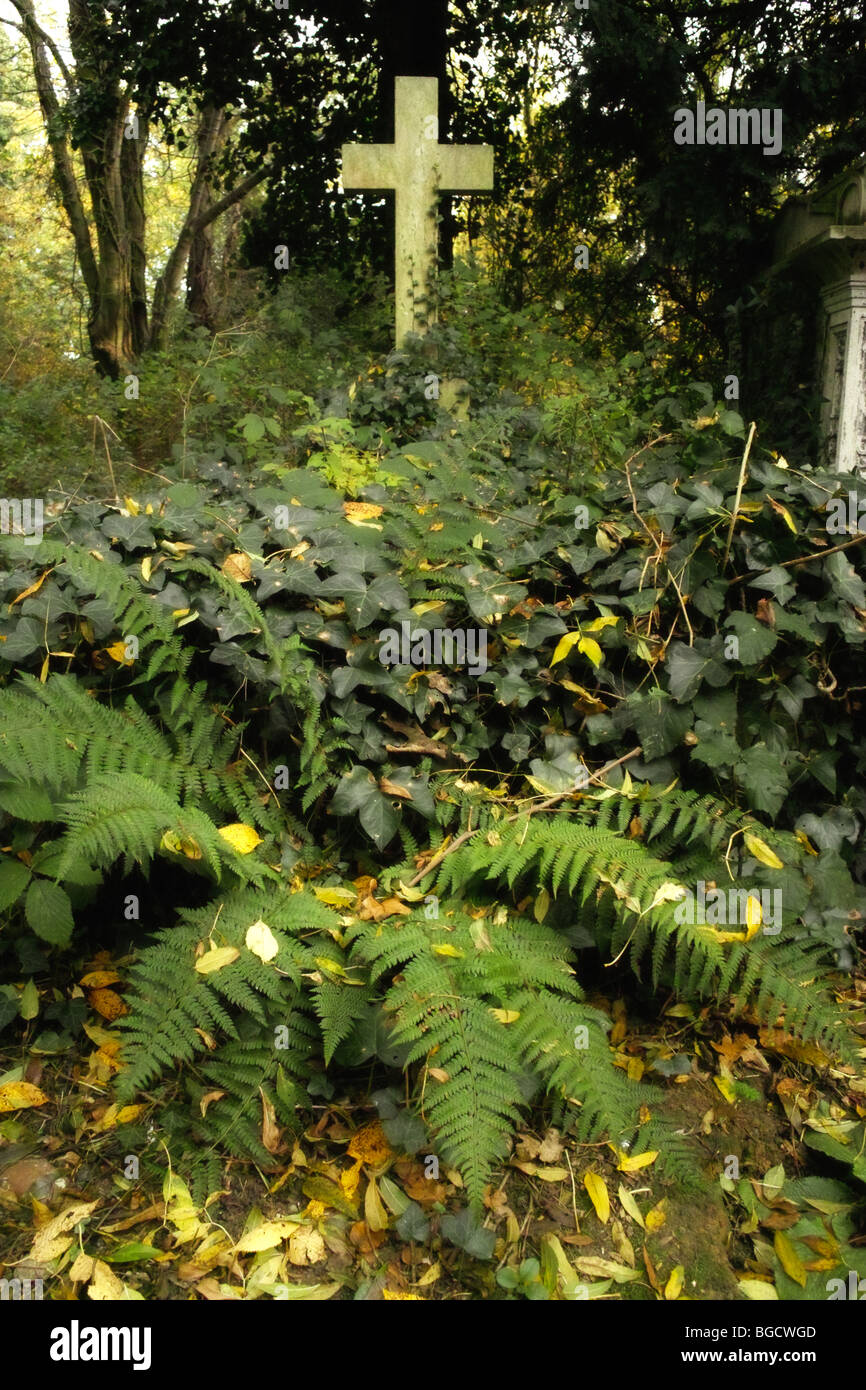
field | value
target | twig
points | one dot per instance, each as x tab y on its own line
743	466
800	560
533	811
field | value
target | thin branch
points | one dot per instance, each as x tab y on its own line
234	196
740	484
597	777
800	560
30	21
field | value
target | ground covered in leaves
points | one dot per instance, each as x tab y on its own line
778	1133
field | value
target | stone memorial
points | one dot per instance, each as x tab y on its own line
821	241
417	168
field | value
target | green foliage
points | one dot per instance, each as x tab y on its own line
584	508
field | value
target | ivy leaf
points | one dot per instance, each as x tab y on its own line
14	877
49	912
359	795
755	639
464	1230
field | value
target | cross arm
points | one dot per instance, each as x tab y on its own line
369	166
465	168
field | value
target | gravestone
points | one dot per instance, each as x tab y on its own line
821	243
418	169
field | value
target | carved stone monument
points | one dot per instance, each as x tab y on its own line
821	239
418	169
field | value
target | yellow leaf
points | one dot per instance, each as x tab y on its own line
758	1290
306	1247
361	511
336	897
564	646
674	1286
432	607
606	1269
597	1189
632	1163
548	1174
506	1015
31	589
146	568
131	506
542	905
180	844
127	1113
105	1286
375	1214
599	624
789	1259
657	1216
238	567
52	1240
630	1205
754	917
727	1089
117	652
590	649
98	979
266	1236
369	1145
762	851
20	1095
803	839
393	1295
242	838
216	958
448	951
261	941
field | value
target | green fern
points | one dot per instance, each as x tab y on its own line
484	1003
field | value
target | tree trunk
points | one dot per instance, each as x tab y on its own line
413	42
200	268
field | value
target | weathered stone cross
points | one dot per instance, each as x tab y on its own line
418	168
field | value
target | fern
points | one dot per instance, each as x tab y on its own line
482	1003
173	999
619	887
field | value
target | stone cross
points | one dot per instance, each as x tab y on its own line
417	168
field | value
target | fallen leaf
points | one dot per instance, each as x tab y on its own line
597	1189
266	1236
105	1286
216	958
306	1247
261	941
238	567
108	1003
20	1095
56	1237
272	1135
789	1259
674	1286
657	1216
630	1205
242	838
758	1290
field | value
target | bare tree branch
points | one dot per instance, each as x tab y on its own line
30	23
